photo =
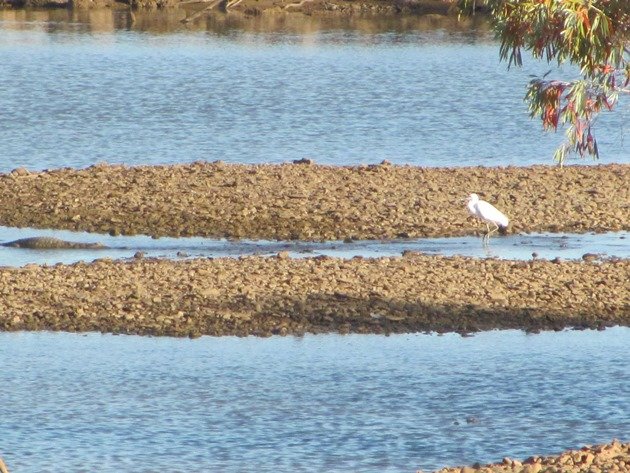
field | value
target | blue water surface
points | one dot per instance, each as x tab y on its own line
330	403
73	96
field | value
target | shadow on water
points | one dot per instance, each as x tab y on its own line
520	247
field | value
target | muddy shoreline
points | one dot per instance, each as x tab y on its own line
312	202
264	296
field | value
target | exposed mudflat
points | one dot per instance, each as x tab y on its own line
609	458
279	295
312	202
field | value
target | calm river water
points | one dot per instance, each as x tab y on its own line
314	404
79	90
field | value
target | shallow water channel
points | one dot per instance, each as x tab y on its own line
523	247
330	403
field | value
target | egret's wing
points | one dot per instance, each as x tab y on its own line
490	213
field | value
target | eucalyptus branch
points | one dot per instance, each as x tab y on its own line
593	34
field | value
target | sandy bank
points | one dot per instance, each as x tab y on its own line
609	458
311	202
280	295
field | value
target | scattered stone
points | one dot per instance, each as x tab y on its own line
588	257
535	467
608	458
19	172
138	254
283	255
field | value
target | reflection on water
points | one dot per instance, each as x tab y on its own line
521	247
172	21
314	404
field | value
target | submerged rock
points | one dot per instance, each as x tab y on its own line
50	243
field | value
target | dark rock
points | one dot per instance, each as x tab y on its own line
45	243
20	172
283	255
303	161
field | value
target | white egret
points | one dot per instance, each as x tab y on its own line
488	213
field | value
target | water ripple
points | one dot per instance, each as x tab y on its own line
317	403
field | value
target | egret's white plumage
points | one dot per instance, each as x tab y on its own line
488	213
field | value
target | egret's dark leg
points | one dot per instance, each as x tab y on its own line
494	230
484	238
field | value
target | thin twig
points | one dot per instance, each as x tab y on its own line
188	2
232	3
196	15
298	4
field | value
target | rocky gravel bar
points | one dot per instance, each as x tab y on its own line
306	201
610	458
263	296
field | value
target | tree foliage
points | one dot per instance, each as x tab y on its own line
591	34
